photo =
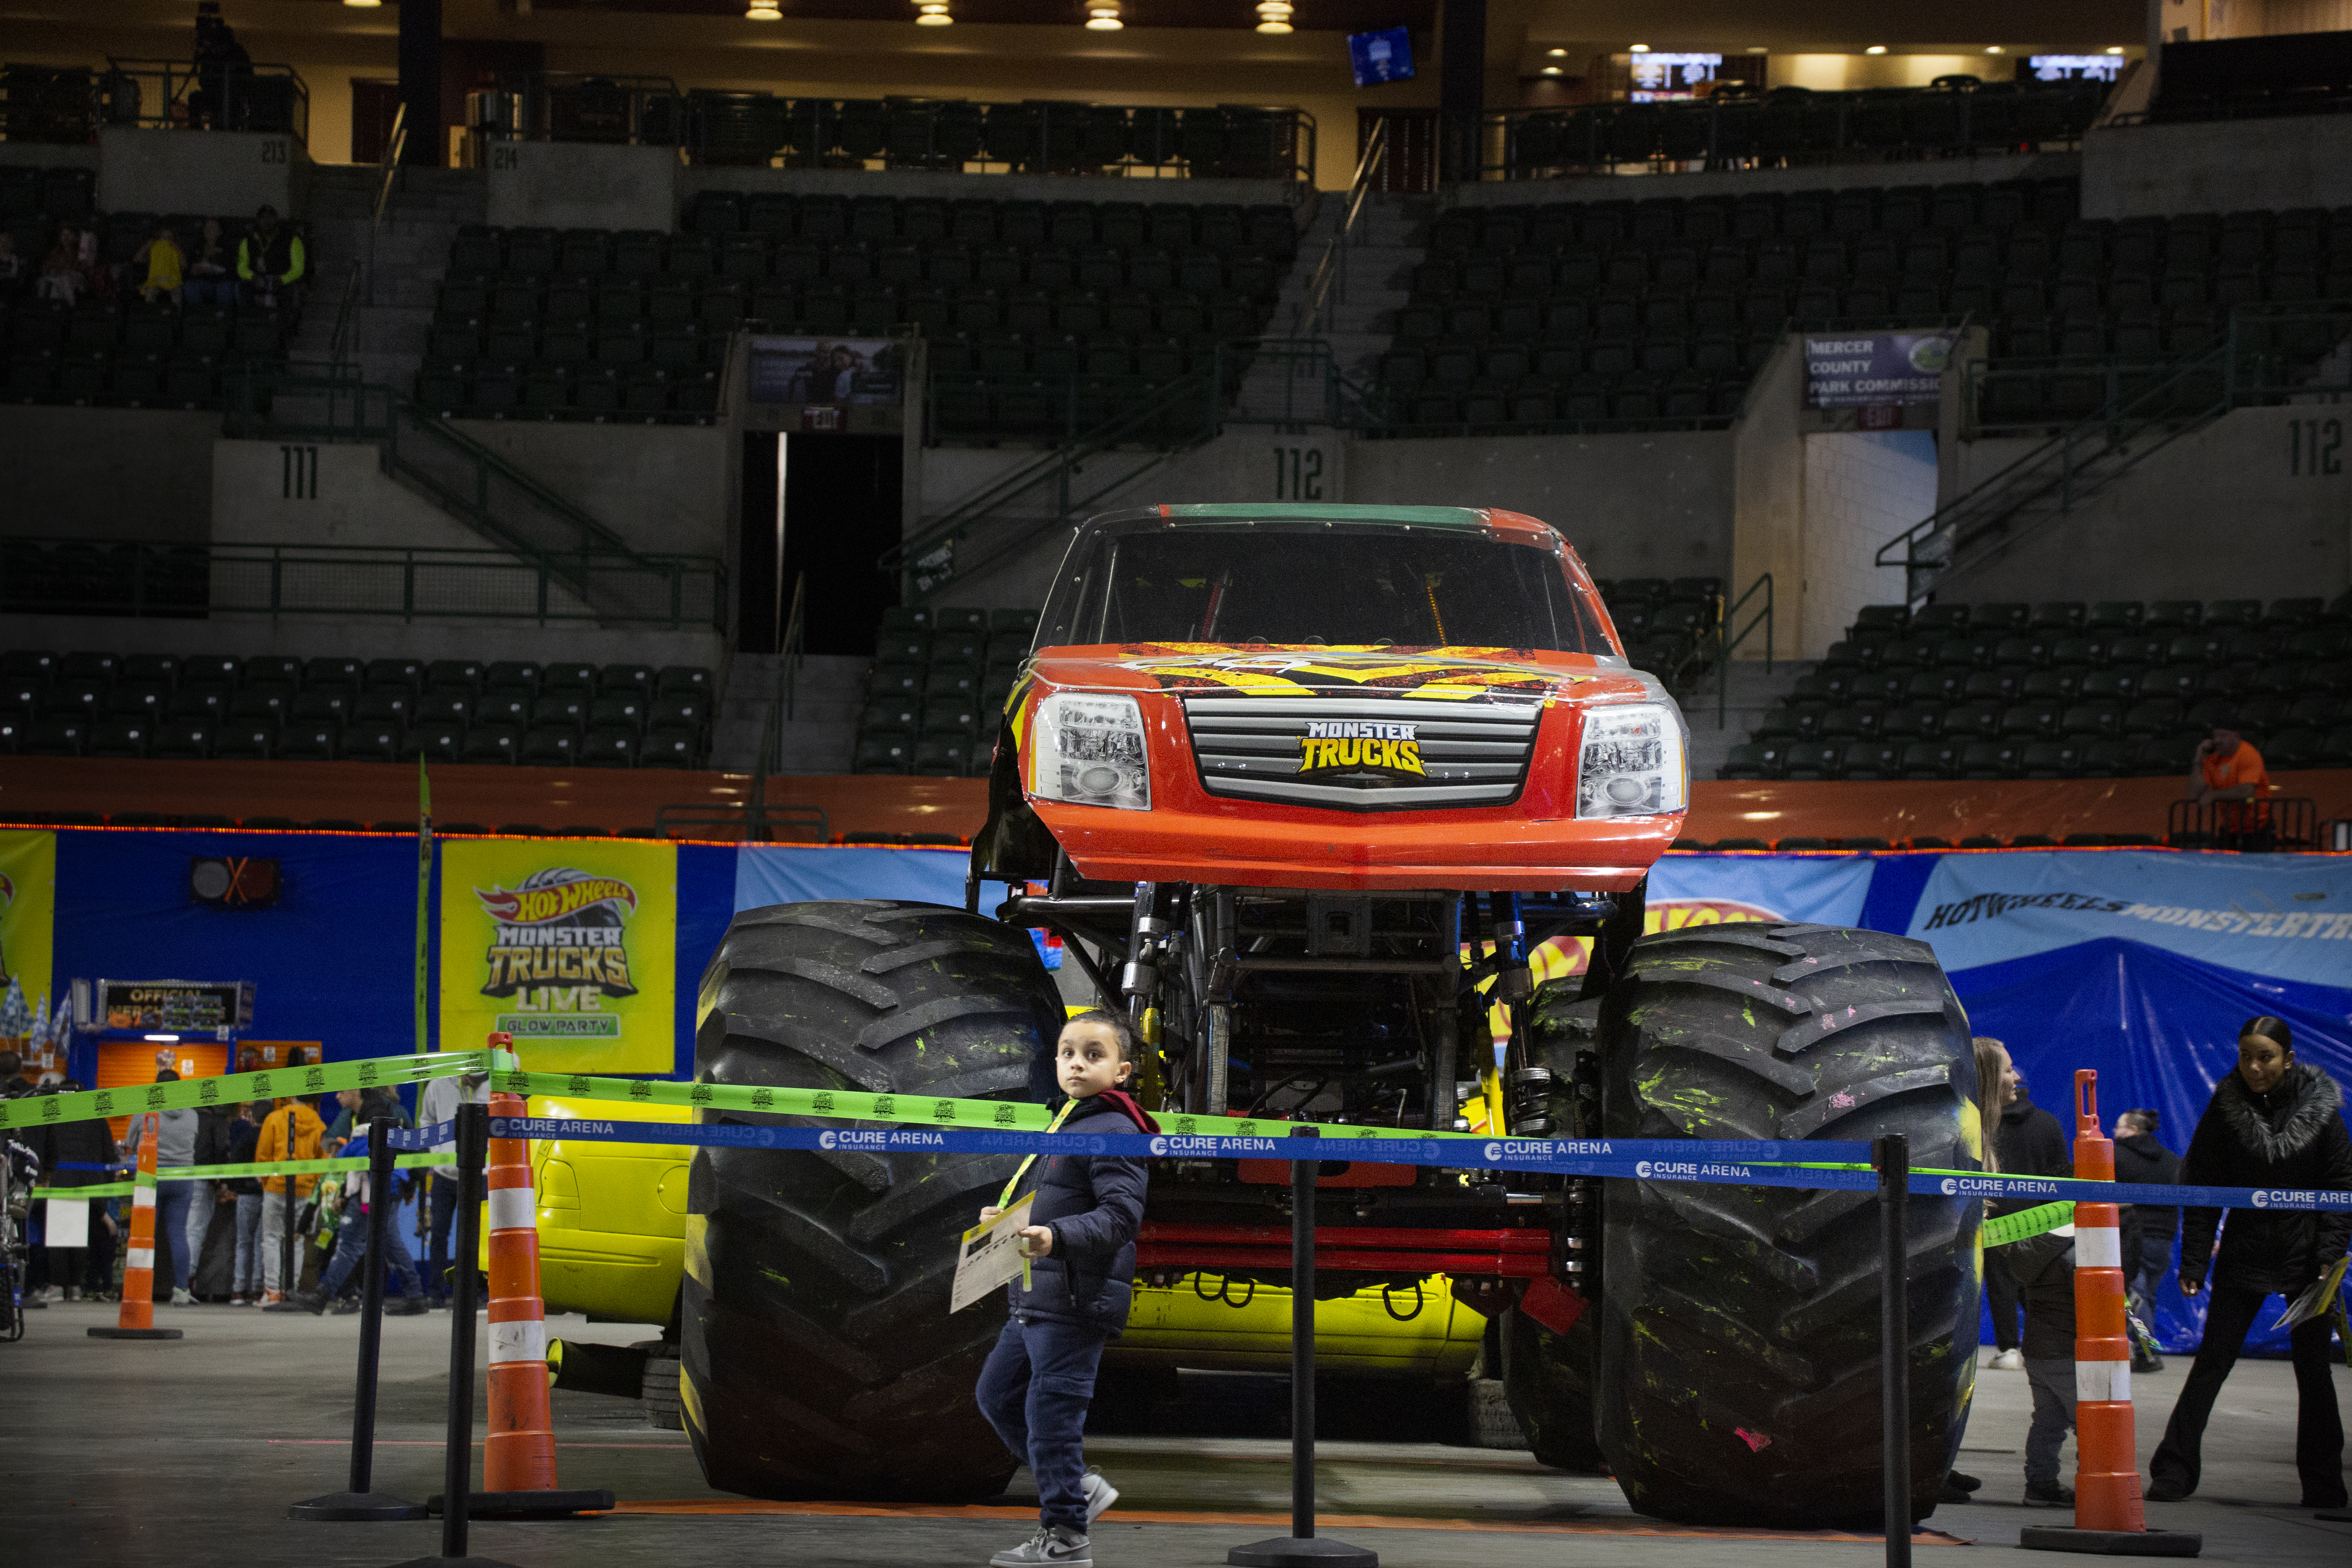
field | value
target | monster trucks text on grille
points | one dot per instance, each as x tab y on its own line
1362	753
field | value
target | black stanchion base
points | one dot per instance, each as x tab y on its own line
2335	1515
132	1333
360	1507
2110	1543
452	1562
519	1506
1309	1551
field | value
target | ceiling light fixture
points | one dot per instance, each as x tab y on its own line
932	14
1876	49
364	4
2114	48
1758	50
1639	48
1992	48
1274	16
1102	17
1557	54
1551	71
763	11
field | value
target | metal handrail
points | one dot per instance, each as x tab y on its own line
789	654
121	100
2249	366
346	335
1817	128
1333	266
1724	646
47	574
1057	467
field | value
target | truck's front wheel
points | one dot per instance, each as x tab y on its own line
819	1355
1740	1332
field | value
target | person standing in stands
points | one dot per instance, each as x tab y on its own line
269	261
174	1132
2273	1122
292	1132
2147	1228
2030	1143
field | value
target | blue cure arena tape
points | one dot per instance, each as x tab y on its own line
1641	1159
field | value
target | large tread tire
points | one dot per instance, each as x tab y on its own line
819	1356
1549	1378
1739	1380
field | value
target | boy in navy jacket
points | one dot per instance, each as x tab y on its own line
1039	1379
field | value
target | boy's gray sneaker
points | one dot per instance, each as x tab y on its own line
1061	1546
1099	1494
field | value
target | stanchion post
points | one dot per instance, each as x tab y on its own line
360	1502
457	1457
1892	1155
1302	1546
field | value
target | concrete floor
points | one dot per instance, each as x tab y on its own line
186	1453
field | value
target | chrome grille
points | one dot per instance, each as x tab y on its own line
1472	752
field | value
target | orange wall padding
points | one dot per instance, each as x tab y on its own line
616	799
122	1063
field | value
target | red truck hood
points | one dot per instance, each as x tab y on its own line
1433	674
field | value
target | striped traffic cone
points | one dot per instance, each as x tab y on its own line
2108	1516
136	1319
518	1451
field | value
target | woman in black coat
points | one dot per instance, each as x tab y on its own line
2273	1122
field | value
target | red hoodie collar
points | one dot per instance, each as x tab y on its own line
1120	1101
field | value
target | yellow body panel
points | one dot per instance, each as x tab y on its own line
612	1216
1189	1324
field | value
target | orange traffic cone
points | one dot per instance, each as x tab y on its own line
518	1451
136	1319
2108	1516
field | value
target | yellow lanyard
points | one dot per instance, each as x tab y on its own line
1004	1200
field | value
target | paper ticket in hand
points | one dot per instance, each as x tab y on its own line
990	1255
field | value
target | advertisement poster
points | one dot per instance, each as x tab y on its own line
825	370
29	876
1876	369
569	946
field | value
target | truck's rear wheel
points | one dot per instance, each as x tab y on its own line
1739	1334
820	1358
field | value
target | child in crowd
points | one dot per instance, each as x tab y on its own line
165	264
2042	1268
1040	1378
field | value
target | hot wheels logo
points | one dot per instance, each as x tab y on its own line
530	905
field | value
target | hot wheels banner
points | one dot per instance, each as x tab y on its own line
566	945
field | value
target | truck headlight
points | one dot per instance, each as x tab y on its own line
1633	763
1087	749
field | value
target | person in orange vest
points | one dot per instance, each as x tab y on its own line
291	1131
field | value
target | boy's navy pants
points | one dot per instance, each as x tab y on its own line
1034	1390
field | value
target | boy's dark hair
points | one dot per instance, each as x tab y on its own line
1130	1050
2146	1120
11	1064
167	1076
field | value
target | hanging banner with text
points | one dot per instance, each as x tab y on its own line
568	945
28	875
1874	370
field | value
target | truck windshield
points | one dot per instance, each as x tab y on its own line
1293	583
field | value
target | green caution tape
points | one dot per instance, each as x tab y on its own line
2002	1229
850	1105
229	1173
91	1105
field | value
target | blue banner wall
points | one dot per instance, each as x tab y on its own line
2138	964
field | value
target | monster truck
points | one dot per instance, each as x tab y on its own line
1298	786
